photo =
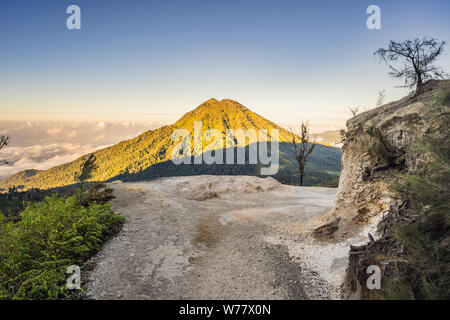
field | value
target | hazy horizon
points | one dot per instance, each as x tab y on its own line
43	144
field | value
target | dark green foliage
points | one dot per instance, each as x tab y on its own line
442	101
426	240
323	167
87	169
98	193
13	202
52	235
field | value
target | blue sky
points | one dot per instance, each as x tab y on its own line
155	60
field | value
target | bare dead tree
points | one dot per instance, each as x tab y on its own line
4	140
418	56
302	148
354	111
381	96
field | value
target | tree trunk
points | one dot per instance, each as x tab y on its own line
301	176
419	86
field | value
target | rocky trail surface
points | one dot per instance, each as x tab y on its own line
212	237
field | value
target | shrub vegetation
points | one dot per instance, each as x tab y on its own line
50	236
425	239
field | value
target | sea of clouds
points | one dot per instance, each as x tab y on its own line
44	144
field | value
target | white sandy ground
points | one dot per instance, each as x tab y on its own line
220	237
324	262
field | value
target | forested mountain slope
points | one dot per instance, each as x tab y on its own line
149	154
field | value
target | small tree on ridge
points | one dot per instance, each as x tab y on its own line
418	55
302	149
87	168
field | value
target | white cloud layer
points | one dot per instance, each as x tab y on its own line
42	145
41	157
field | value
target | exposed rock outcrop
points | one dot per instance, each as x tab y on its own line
378	147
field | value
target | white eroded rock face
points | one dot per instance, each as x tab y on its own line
207	187
400	123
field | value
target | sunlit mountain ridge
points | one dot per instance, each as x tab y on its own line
149	154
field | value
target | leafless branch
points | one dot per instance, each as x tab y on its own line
418	56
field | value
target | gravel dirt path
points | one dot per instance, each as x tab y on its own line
204	237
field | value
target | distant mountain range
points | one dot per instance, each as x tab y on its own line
149	154
331	137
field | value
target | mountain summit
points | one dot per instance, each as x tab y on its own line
149	154
228	114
